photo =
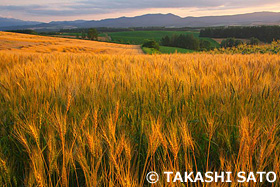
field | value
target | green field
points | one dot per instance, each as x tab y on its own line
150	51
166	50
169	50
71	34
138	37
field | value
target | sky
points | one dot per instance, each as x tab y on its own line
59	10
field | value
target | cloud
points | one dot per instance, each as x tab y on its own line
19	7
99	7
146	4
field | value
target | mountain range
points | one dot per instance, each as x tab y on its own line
150	20
9	22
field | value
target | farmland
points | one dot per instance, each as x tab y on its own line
167	50
18	43
138	38
91	118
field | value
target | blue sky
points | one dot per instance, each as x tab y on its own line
50	10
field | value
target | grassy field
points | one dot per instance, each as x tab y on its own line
166	50
138	38
87	119
170	50
150	51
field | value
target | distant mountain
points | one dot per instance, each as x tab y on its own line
162	20
257	18
148	20
171	20
10	22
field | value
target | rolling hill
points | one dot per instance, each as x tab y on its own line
24	43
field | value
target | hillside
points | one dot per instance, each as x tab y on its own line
14	42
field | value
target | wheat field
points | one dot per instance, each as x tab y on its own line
85	119
25	43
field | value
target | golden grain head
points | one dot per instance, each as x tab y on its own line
72	116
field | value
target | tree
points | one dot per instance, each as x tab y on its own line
151	44
92	34
205	45
231	42
77	36
83	35
165	41
191	42
253	41
183	41
237	43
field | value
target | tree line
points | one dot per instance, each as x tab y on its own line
113	29
187	41
91	34
232	42
263	33
24	31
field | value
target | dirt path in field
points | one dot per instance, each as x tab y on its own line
140	51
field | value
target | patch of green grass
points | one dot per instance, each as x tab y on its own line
169	50
138	37
213	42
102	34
166	50
150	51
71	34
